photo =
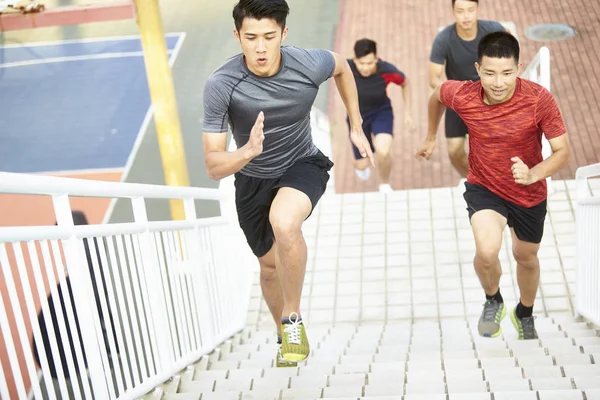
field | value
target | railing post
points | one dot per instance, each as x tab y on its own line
201	264
543	60
83	293
151	269
227	189
545	67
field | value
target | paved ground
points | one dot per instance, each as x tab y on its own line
405	29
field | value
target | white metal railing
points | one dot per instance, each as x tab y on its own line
587	297
538	71
132	303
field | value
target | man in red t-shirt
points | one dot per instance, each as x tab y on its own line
506	185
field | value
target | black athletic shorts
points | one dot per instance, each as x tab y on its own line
253	197
455	126
528	223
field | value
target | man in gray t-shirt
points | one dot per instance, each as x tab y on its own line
454	51
264	95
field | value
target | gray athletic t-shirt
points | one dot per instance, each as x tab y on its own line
234	95
460	55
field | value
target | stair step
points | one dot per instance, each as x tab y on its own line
181	396
424	360
172	386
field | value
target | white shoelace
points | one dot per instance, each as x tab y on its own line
293	329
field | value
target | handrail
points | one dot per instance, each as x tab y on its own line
587	299
16	183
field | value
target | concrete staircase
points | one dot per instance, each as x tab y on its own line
391	304
411	361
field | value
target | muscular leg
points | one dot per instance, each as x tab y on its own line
270	286
458	155
487	228
528	277
383	148
528	268
361	164
289	210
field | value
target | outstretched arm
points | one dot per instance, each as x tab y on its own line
344	79
435	74
435	111
407	96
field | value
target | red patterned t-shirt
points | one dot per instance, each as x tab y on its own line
502	131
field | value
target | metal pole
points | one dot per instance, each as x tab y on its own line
164	104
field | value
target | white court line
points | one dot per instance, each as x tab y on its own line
84	40
101	56
142	132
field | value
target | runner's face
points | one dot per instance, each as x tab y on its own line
261	44
366	65
498	78
465	13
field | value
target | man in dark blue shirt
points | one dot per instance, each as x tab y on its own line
372	76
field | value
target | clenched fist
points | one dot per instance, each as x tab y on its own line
521	172
425	150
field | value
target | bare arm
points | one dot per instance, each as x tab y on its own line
221	163
344	80
435	111
435	74
347	88
407	96
561	154
409	124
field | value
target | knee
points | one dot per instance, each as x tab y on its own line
361	164
285	227
268	272
526	259
486	257
456	152
383	152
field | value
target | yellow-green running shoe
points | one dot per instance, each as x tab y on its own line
525	326
489	322
281	362
294	345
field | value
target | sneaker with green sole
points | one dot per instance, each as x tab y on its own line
294	345
491	316
525	326
281	362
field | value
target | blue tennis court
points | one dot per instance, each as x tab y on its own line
73	105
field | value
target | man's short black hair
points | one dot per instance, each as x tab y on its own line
498	45
475	1
259	9
364	47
